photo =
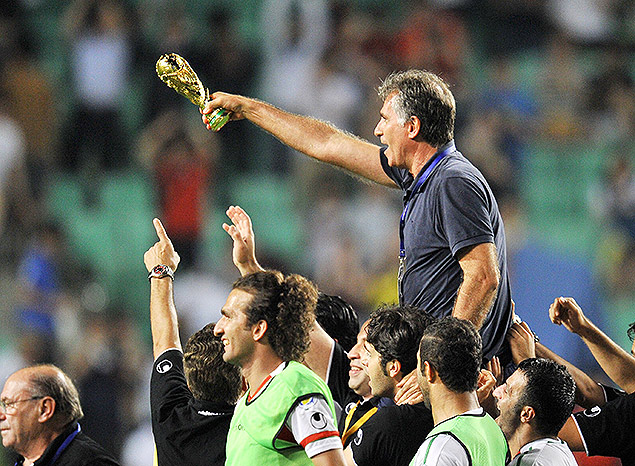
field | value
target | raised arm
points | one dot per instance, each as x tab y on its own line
614	360
480	283
242	233
315	138
163	318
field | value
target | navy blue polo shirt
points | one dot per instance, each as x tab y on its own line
453	209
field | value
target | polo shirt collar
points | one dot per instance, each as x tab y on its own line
450	147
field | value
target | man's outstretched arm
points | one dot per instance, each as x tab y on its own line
315	138
613	359
163	318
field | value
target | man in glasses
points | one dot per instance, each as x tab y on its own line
39	414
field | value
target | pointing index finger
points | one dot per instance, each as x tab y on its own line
163	236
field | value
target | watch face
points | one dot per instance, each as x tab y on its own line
160	271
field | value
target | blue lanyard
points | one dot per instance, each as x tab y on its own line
63	446
422	179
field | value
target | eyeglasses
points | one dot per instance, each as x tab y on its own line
6	406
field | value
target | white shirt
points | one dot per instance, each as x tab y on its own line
544	452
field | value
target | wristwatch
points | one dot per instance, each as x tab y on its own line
161	271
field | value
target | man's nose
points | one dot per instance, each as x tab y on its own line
377	131
499	391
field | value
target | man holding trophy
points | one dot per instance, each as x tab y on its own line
452	257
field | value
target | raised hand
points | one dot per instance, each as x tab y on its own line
162	253
494	366
565	311
242	233
521	342
408	391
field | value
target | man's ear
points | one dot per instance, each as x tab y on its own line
413	126
258	330
429	372
47	409
527	414
393	368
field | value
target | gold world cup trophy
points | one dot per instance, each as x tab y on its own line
177	73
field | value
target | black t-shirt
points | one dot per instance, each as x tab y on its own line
354	410
186	430
392	436
338	376
610	430
453	209
74	448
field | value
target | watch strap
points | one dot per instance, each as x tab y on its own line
161	271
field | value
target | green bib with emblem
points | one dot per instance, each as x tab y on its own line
255	425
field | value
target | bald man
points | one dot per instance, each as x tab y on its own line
39	414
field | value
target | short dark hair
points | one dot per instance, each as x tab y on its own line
395	331
338	319
208	376
287	304
550	391
50	380
453	348
428	97
631	331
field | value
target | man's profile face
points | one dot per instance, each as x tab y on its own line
357	377
380	383
423	382
19	425
393	134
507	396
234	329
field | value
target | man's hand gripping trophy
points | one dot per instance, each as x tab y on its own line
177	73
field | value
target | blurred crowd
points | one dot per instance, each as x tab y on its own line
93	146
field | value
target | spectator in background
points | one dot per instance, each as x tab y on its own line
560	85
226	62
534	403
435	39
40	289
181	161
501	125
613	201
30	91
105	361
99	35
167	29
295	36
610	95
39	414
13	180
